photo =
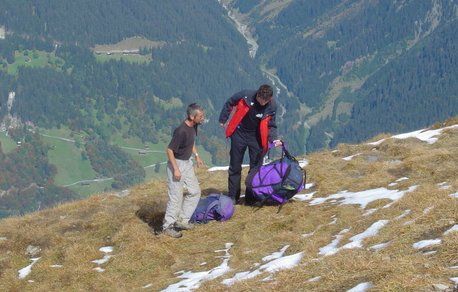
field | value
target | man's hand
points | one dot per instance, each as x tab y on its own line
200	162
277	143
177	174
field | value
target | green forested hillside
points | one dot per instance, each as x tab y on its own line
418	89
195	64
362	67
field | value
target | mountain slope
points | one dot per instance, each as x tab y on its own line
348	61
361	222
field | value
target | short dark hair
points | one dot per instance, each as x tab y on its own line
192	109
265	92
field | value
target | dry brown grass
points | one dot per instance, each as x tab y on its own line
71	234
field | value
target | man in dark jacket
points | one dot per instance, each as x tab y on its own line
251	115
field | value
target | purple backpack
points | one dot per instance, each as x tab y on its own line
278	181
213	207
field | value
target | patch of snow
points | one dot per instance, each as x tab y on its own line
427	210
56	266
363	198
303	197
99	269
334	221
218	168
388	205
454	195
361	287
409	222
33	250
402	179
332	248
405	213
443	185
193	280
370	211
103	260
453	267
454	280
275	255
425	243
308	186
379	246
377	142
315	279
305	235
106	249
357	240
106	257
453	229
281	263
428	136
425	135
348	158
303	163
24	272
241	277
392	184
147	286
3	238
203	264
430	252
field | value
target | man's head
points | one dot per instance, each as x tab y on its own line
264	94
195	113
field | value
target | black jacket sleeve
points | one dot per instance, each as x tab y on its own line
230	103
272	123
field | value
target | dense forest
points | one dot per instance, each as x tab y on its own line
111	161
195	64
388	66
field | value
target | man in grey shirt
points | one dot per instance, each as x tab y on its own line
180	173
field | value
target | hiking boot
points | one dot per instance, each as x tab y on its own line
172	232
184	226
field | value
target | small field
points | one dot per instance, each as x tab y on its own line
70	165
92	188
8	144
133	43
33	59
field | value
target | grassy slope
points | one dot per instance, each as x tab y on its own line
8	144
34	59
71	234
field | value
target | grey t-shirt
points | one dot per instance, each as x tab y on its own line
183	141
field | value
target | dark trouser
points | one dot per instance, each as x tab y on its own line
240	140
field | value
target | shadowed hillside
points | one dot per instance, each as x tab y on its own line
380	214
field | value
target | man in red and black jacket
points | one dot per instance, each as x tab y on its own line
251	115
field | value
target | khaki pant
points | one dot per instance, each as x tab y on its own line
181	207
